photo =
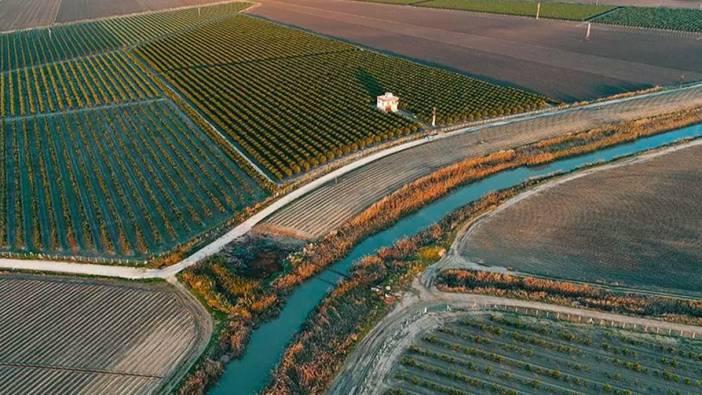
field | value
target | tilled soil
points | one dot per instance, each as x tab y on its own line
548	56
636	225
71	335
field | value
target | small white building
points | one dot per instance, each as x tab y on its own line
388	102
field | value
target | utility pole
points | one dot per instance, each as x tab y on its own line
538	10
587	34
433	118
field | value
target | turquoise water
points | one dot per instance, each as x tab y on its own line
251	373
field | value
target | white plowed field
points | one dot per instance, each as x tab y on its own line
63	335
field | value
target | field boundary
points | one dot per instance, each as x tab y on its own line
244	227
156	75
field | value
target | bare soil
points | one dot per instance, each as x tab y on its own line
72	335
638	225
21	14
76	10
547	56
258	256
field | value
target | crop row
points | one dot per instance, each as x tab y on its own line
233	40
123	181
657	18
38	46
90	81
510	354
293	112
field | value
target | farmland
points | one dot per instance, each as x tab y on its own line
656	18
72	179
38	46
86	82
510	353
314	100
637	225
76	10
326	208
522	52
21	14
67	335
554	10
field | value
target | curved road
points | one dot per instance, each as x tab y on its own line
422	156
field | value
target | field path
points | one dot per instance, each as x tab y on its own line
307	208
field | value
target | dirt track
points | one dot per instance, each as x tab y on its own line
551	57
327	207
70	335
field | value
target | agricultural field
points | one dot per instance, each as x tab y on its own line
554	10
124	181
481	353
38	46
521	52
69	335
637	225
329	206
22	14
76	10
86	82
314	98
689	20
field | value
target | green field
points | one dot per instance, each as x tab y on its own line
124	182
38	46
313	99
656	18
96	161
571	11
103	159
505	353
86	82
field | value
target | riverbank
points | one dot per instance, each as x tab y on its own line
380	284
255	308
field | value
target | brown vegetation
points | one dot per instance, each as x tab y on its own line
568	293
418	193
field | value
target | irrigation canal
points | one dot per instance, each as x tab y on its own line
251	373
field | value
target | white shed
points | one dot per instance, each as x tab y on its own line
388	102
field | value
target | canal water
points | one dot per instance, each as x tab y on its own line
250	374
